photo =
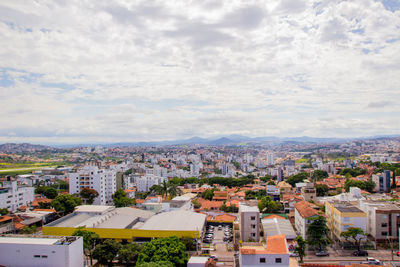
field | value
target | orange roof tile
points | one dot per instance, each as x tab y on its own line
272	216
225	218
51	210
5	218
276	244
305	209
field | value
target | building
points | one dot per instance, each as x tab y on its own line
303	213
382	181
13	196
6	224
278	226
383	219
129	223
21	251
144	183
274	254
284	187
341	216
309	192
101	180
249	222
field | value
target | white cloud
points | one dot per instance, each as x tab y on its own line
76	71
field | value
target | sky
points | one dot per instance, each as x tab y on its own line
118	71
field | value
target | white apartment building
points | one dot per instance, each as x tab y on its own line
101	180
13	196
144	183
303	214
21	251
249	223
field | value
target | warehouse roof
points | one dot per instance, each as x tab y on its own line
274	226
176	220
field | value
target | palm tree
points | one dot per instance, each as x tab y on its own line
173	191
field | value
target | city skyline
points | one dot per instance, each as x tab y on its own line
115	71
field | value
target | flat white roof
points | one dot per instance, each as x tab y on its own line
244	208
198	260
28	240
93	208
176	220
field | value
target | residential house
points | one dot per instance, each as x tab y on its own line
304	211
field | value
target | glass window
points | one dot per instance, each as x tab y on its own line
262	260
278	260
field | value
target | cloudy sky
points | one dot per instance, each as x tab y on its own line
105	71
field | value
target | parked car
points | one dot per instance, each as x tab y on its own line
322	253
360	253
372	261
219	227
294	254
213	257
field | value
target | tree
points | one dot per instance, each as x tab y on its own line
88	195
40	190
120	199
164	249
301	247
322	189
29	229
4	211
208	194
189	243
65	203
156	264
297	178
196	204
89	241
173	191
355	233
268	205
50	192
105	253
319	175
317	233
129	253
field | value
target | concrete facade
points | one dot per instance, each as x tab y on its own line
20	251
249	218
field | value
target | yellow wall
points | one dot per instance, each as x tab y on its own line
121	233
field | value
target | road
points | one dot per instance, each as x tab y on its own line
338	256
225	257
25	169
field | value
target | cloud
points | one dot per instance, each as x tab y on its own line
77	71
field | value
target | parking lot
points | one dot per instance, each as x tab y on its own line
225	257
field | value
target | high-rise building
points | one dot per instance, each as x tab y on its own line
270	159
13	196
382	181
249	219
93	177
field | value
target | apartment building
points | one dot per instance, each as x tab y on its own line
144	183
382	181
383	219
93	177
20	251
304	211
13	196
341	216
249	222
309	192
274	254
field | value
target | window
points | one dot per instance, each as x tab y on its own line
253	226
278	260
253	234
253	218
262	260
384	233
384	225
36	256
44	256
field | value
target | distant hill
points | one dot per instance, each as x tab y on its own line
24	147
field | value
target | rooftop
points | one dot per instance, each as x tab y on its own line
305	209
93	208
42	240
176	220
347	208
275	226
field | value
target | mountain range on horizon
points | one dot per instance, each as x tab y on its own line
233	139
